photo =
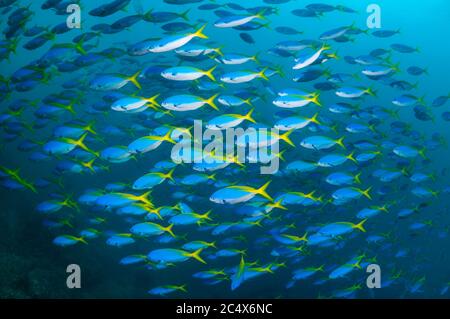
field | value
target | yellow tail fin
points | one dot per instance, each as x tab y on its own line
262	191
152	100
133	79
196	255
315	99
262	74
285	137
248	116
144	198
360	225
314	119
340	142
366	193
199	33
350	157
209	73
169	174
357	178
211	103
169	230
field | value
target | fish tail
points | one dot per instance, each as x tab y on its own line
384	208
248	116
278	204
304	237
285	137
357	264
371	92
357	178
218	51
262	74
133	79
196	255
340	142
199	33
182	288
168	138
256	58
205	215
169	230
79	46
89	164
169	175
421	100
325	47
262	191
209	73
314	119
279	70
80	141
144	198
333	55
153	101
211	103
350	157
184	14
260	14
28	185
82	240
90	127
212	177
366	193
248	101
360	226
422	153
315	99
280	155
320	268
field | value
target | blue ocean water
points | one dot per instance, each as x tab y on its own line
411	251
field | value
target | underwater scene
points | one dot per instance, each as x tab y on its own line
224	149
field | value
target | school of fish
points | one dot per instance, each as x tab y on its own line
354	172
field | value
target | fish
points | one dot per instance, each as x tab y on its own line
115	135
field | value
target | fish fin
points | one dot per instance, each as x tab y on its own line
285	137
260	15
370	91
248	101
169	230
144	198
357	178
360	225
169	174
184	14
199	33
262	191
196	255
209	73
366	193
182	288
152	100
248	116
211	103
263	75
350	157
325	47
133	79
82	240
314	119
315	99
